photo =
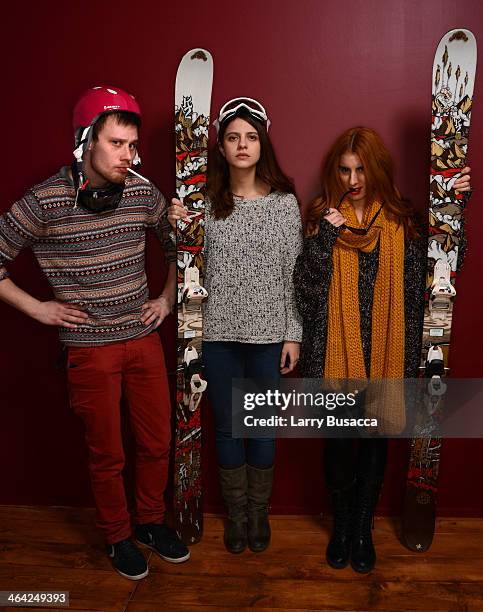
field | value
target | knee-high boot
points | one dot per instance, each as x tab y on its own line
233	484
340	478
260	483
339	547
370	474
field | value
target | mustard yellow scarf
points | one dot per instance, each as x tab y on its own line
344	354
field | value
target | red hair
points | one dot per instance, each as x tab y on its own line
379	174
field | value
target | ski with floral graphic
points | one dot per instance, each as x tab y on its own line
192	115
452	98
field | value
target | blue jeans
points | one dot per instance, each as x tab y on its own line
224	361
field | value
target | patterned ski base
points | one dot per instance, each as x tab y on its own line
192	109
452	90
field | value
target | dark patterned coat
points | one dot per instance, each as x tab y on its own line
312	277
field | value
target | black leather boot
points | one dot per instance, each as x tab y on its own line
370	474
233	484
339	547
363	557
260	483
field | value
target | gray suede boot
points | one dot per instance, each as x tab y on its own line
260	483
233	483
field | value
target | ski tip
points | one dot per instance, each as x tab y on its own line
198	53
459	35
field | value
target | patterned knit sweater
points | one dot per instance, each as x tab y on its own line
250	257
312	276
95	260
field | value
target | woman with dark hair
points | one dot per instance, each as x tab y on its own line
360	284
251	327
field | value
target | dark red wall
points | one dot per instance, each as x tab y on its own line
320	67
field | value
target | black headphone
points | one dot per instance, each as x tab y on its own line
96	200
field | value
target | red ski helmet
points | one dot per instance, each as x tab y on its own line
99	100
94	103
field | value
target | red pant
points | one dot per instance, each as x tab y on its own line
98	376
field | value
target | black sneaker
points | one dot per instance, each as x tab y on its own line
163	540
128	560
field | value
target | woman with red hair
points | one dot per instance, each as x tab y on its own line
360	284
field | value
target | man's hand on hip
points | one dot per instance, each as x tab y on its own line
156	311
59	314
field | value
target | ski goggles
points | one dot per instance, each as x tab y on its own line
231	108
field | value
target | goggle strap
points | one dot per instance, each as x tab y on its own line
260	108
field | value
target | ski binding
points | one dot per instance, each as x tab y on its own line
193	292
442	293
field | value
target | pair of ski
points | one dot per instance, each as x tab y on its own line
452	90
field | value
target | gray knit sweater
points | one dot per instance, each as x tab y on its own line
250	257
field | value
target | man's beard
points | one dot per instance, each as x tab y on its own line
114	178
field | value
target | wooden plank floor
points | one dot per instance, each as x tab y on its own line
59	549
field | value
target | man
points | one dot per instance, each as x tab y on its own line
86	226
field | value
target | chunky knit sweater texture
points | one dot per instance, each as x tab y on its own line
250	257
312	276
95	260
